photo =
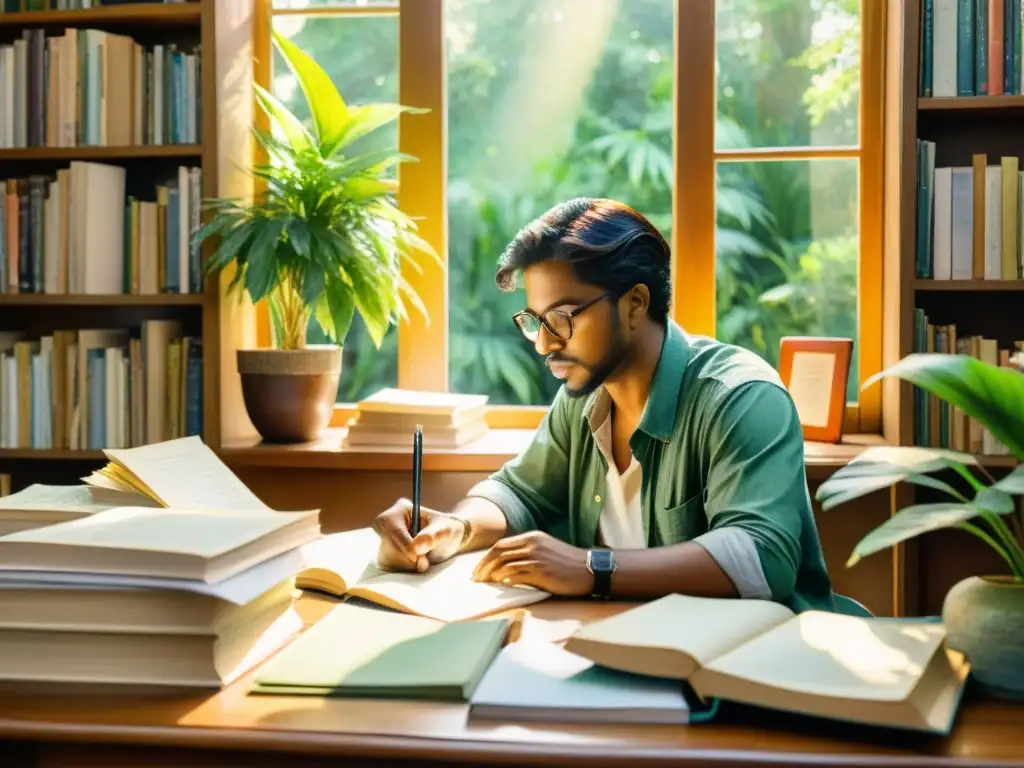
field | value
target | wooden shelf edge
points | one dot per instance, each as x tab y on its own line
107	300
134	151
979	286
43	454
143	13
487	454
970	103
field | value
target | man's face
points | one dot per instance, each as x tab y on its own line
598	342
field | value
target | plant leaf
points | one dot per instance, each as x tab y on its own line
366	118
312	284
293	129
342	308
882	466
262	264
991	394
1012	483
995	501
330	114
910	522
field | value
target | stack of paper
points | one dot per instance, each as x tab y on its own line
389	418
190	584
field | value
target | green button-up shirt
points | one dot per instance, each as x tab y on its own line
722	462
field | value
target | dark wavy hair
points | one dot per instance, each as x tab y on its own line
608	244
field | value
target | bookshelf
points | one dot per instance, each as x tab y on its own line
188	106
979	303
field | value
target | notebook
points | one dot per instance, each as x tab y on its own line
543	682
204	545
344	564
370	652
889	672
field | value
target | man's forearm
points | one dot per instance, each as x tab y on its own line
684	568
486	521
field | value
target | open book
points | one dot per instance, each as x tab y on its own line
889	672
181	473
344	564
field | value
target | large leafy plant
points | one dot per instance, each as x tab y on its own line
992	395
325	238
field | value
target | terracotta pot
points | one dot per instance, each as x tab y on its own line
290	393
984	618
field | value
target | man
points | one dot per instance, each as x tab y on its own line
666	463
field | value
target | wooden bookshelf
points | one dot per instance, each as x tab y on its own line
141	151
970	103
140	15
223	32
969	285
90	300
929	565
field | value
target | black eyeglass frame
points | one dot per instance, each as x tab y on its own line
570	315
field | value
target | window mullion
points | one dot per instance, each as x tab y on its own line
693	201
423	342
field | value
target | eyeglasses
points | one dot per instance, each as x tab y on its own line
558	322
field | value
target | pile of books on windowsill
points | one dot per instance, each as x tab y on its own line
390	416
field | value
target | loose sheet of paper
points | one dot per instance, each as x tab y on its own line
186	474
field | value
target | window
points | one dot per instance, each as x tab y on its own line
749	131
547	100
786	146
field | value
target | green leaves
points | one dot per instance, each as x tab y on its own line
325	237
992	395
911	522
883	466
329	111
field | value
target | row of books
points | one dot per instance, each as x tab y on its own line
89	87
969	220
22	6
937	424
77	231
970	48
93	389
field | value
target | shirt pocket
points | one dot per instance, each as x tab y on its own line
682	522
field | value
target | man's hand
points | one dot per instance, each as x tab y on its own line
437	540
538	560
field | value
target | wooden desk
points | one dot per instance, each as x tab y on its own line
232	728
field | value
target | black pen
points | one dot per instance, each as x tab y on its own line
417	468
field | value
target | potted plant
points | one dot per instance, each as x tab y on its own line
984	615
324	240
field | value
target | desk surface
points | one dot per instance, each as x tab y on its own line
986	732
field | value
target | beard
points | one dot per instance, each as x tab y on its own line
600	372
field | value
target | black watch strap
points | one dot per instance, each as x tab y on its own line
602	584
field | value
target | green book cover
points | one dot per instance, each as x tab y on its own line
372	652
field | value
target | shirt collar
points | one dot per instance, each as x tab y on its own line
662	409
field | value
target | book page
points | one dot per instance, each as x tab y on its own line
810	386
446	591
73	498
186	474
701	628
339	560
833	655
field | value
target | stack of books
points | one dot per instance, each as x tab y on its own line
137	579
389	418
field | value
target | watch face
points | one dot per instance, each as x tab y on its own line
601	560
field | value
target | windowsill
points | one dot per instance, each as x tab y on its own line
486	454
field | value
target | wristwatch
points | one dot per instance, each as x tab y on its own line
601	563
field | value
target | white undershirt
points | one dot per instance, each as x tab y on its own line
621	525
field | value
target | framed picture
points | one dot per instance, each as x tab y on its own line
815	370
